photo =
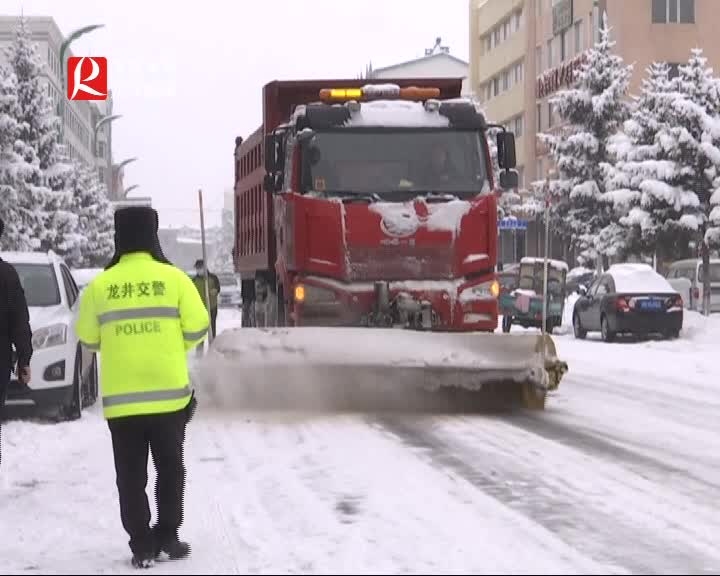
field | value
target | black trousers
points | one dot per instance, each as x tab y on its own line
4	383
213	321
132	438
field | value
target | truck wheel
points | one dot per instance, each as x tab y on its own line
506	324
533	399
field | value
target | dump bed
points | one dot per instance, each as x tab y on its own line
255	235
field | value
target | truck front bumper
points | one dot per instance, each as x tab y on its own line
452	305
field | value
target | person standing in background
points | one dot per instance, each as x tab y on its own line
214	290
16	331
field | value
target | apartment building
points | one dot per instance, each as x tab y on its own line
523	51
81	140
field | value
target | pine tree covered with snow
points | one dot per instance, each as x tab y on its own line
12	165
52	223
95	224
693	140
644	182
592	111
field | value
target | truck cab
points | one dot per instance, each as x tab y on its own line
378	204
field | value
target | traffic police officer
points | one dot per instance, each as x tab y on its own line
143	315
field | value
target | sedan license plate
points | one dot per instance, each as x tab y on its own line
652	304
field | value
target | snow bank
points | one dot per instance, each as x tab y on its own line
637	279
396	113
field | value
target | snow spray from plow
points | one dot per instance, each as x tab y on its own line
374	369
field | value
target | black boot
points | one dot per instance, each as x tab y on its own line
143	561
170	545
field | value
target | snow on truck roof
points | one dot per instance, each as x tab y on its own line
557	264
638	278
396	113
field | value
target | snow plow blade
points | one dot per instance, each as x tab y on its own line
373	368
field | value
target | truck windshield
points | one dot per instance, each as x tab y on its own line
410	161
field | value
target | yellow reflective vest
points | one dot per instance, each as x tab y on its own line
142	316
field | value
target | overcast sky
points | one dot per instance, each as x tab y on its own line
187	76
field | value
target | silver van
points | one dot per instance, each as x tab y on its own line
685	276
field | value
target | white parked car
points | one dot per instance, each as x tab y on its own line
686	276
229	290
64	374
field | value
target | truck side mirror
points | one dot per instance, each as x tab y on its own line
270	153
506	150
509	179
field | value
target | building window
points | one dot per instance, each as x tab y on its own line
563	46
496	85
550	114
521	176
578	37
519	72
101	150
538	113
506	80
101	175
539	169
488	91
517	19
549	53
496	37
518	126
506	29
673	11
487	46
596	24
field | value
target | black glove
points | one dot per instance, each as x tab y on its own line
191	407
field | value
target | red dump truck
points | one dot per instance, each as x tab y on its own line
370	204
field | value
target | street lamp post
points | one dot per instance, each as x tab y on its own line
108	153
117	168
63	80
130	189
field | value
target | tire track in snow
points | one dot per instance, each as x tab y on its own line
338	495
672	443
607	512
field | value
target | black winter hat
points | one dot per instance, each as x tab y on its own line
136	230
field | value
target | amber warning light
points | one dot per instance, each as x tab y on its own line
375	91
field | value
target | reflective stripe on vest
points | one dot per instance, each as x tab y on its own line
138	313
195	335
148	312
153	396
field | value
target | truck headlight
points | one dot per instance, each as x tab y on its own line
308	294
484	291
54	335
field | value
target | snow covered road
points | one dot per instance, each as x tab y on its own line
620	473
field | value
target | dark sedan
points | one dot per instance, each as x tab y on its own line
628	299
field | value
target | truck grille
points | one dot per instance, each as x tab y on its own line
399	263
